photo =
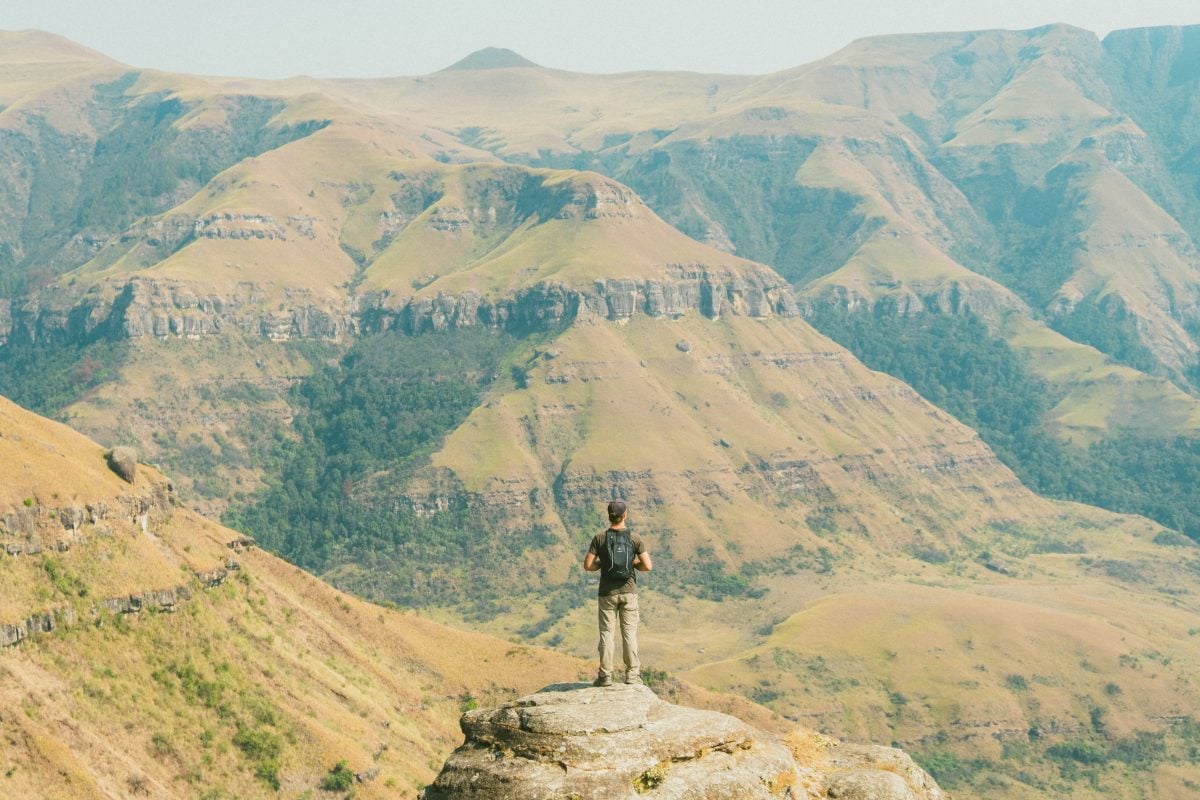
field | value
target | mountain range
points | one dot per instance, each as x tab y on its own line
411	333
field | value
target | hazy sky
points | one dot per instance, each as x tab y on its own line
276	38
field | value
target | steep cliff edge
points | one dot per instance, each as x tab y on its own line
575	741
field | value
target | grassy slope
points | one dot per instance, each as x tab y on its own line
105	709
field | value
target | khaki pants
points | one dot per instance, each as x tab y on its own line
622	607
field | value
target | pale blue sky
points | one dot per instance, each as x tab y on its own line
276	38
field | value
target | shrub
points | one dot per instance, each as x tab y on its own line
1082	752
339	778
1017	683
262	748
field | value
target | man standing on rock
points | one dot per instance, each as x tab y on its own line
618	555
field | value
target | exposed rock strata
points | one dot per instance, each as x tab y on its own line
549	304
141	307
168	309
622	742
982	298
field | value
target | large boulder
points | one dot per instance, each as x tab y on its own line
123	461
622	742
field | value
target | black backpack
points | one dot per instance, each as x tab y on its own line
616	560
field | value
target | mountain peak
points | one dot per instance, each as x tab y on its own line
491	58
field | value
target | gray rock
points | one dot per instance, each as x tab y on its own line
241	543
11	635
162	600
855	763
683	347
71	517
870	784
123	461
212	578
574	740
996	565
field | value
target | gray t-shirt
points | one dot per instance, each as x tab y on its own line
609	586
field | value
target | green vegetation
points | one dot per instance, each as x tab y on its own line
366	425
1097	759
954	362
652	778
262	748
1115	335
339	778
746	184
253	717
64	581
48	377
951	771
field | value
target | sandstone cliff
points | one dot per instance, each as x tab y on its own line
576	741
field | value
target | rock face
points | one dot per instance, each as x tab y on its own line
133	308
123	461
623	742
713	293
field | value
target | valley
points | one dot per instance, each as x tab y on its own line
857	341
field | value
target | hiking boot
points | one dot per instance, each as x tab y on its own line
633	680
602	680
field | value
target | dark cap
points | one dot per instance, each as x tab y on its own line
616	510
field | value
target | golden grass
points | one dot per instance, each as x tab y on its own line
104	710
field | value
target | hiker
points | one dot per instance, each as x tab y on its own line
618	556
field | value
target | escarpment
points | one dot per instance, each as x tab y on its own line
139	307
142	307
623	742
689	288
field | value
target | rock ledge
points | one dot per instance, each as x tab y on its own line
572	741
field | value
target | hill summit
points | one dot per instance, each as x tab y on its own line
491	58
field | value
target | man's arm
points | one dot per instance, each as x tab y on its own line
590	562
642	562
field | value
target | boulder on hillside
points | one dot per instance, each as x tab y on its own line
623	743
123	461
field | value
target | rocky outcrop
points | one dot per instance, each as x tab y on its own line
623	742
164	601
171	309
546	305
978	296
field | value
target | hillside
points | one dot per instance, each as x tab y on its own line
169	657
